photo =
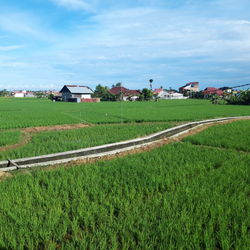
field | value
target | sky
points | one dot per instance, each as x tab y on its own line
45	44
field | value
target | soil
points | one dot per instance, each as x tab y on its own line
4	175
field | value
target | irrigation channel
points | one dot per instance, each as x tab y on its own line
107	149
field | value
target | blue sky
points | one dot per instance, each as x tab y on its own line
45	44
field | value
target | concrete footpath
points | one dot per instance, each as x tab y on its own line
107	149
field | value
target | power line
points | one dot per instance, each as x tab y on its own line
241	85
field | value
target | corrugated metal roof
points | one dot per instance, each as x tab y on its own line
79	90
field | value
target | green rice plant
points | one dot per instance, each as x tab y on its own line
235	135
175	197
9	137
59	141
20	113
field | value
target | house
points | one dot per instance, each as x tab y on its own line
19	93
77	93
23	93
164	94
227	89
29	94
126	94
189	87
212	91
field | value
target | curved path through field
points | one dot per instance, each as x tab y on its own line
116	149
27	133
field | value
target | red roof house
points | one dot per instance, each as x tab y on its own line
212	91
126	93
191	86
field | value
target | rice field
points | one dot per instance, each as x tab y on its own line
21	113
184	195
9	137
175	197
235	135
60	141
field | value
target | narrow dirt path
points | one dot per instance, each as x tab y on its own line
27	133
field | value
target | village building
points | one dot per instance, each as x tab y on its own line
164	94
189	87
22	93
227	90
19	93
212	91
77	93
125	94
29	94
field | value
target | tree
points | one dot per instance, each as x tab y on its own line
119	84
150	81
4	92
242	98
146	95
51	97
103	93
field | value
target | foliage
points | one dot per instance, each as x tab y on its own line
233	135
119	84
195	95
59	141
103	93
242	98
51	97
4	92
175	197
215	99
146	95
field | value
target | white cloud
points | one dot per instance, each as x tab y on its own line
74	4
129	45
11	47
24	25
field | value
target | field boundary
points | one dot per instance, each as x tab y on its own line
107	149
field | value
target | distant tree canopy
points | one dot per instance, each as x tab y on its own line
4	92
103	93
195	95
40	94
146	95
242	98
51	96
119	84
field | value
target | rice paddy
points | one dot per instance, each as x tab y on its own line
177	196
192	194
59	141
9	137
21	113
235	135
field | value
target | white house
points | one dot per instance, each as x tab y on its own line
20	93
75	93
164	94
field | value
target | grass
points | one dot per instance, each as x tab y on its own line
59	141
235	135
175	197
20	113
9	137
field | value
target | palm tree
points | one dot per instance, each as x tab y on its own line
150	81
